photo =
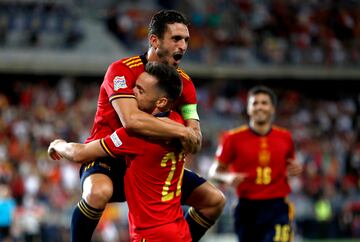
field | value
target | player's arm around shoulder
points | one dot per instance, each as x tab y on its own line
195	126
139	122
75	152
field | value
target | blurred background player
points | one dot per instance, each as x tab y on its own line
102	180
256	159
154	167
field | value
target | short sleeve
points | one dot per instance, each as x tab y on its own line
120	143
119	81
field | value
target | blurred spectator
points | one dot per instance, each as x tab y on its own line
39	24
7	208
257	32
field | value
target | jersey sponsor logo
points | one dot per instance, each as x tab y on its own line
115	139
119	82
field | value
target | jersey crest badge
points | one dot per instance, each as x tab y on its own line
119	82
116	140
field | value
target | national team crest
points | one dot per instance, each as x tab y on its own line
119	82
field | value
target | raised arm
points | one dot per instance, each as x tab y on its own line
195	126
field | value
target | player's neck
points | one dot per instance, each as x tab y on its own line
160	110
151	55
262	128
160	114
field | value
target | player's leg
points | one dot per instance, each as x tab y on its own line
278	227
206	201
97	191
100	184
245	215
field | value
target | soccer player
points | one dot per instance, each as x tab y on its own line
256	160
102	180
155	167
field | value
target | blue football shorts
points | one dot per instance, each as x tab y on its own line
191	181
263	220
114	168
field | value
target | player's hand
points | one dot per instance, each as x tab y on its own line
293	167
53	154
191	142
237	178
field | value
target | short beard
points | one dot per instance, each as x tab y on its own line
162	54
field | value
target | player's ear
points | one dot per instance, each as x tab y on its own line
154	40
162	102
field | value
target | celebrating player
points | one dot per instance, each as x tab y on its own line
153	178
102	180
256	160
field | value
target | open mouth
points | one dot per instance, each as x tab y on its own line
177	56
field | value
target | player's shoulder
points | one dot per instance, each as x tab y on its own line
129	62
239	130
183	74
281	130
176	117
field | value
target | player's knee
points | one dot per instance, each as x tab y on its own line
215	204
97	195
219	200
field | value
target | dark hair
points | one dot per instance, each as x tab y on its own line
168	78
159	21
265	90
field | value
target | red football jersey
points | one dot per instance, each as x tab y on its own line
153	178
262	158
119	82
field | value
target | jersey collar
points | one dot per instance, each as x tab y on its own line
162	114
257	133
143	58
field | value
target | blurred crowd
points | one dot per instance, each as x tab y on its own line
42	24
44	192
247	32
39	194
253	32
